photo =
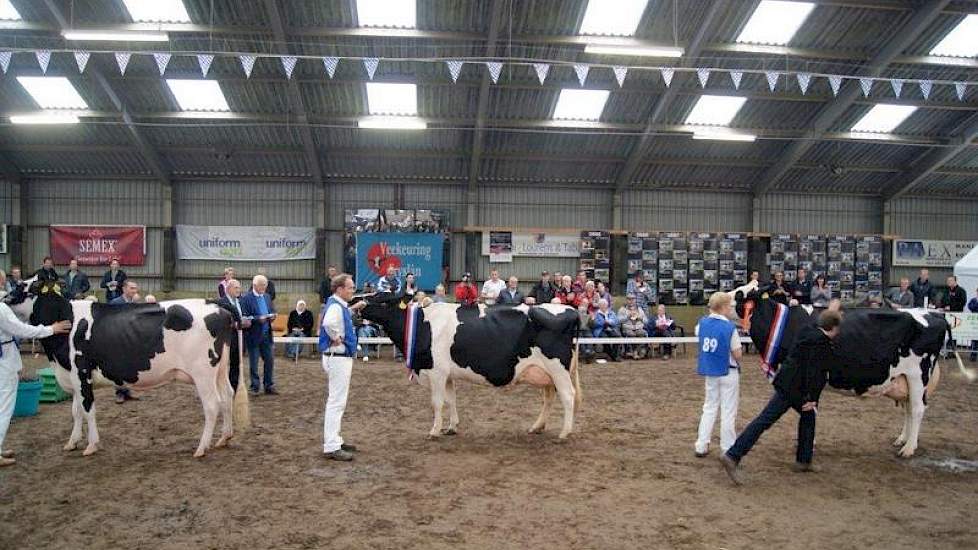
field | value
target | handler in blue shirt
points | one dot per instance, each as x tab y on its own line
719	351
338	345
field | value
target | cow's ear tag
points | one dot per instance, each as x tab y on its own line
402	305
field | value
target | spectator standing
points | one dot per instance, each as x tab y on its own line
602	291
13	279
257	307
389	282
76	282
902	296
922	289
492	287
777	289
801	288
662	326
565	292
128	295
270	289
717	362
439	297
410	286
641	291
543	292
606	325
755	277
47	273
821	294
465	292
511	295
633	321
579	282
973	308
222	286
325	283
112	281
232	302
591	295
299	326
955	296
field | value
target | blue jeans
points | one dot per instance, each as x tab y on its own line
773	411
264	349
368	331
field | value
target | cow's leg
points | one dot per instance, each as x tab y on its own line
77	414
450	402
548	403
905	432
437	382
207	390
227	401
93	438
565	391
915	404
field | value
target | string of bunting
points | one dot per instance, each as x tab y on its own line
541	69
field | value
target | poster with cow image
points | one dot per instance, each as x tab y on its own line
596	255
673	268
868	278
732	265
643	257
704	257
98	244
376	220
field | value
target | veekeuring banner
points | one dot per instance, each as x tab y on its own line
245	243
98	244
416	253
929	253
539	244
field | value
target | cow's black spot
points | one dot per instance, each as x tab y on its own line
178	318
83	365
220	325
554	334
49	308
124	339
492	345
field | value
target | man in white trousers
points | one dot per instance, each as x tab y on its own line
338	345
12	330
719	351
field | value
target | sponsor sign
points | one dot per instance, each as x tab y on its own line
243	243
929	253
501	246
417	253
98	244
964	327
538	244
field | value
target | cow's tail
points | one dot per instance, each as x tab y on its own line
242	413
969	374
935	378
575	373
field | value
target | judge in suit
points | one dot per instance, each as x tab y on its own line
76	282
257	307
231	301
113	280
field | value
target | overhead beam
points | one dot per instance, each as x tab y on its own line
933	160
482	113
831	111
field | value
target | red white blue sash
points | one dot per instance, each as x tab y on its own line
770	354
412	319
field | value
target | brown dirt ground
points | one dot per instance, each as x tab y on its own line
627	478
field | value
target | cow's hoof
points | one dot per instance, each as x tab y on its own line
563	436
449	431
199	453
899	442
223	442
433	437
90	450
906	452
71	446
536	430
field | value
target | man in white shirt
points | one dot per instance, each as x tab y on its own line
338	345
12	330
492	287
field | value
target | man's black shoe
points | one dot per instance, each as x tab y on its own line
340	454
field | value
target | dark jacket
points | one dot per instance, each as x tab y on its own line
973	305
324	289
955	299
235	357
902	299
505	298
801	291
44	274
921	290
270	290
302	321
780	298
120	277
249	307
76	287
543	293
803	374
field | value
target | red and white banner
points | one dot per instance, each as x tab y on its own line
98	244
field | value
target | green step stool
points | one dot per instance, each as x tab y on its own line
51	391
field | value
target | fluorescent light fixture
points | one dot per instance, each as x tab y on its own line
715	110
116	36
719	134
580	104
157	11
962	41
8	12
45	118
392	123
386	98
52	92
775	22
387	13
610	48
883	118
198	95
621	19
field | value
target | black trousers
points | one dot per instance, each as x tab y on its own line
772	412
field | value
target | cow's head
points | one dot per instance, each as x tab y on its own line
388	310
48	304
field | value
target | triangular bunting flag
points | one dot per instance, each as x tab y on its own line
542	70
81	58
835	82
5	61
370	63
495	68
247	64
960	87
455	68
205	60
43	58
288	63
162	60
703	75
667	75
772	80
582	71
620	73
736	76
122	58
867	85
331	63
804	79
897	85
925	87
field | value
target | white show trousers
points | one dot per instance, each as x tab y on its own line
338	370
723	394
8	395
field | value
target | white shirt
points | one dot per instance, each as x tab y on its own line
491	289
11	327
333	322
734	338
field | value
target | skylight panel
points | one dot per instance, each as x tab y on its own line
384	98
962	41
52	92
620	19
198	95
715	110
775	22
387	13
580	104
883	118
157	11
8	12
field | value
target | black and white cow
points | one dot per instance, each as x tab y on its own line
141	346
879	352
501	346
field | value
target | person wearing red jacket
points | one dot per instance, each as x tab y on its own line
465	292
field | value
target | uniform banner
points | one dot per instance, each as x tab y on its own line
98	244
929	253
539	244
244	243
417	253
964	327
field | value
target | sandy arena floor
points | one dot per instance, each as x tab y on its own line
627	478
